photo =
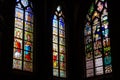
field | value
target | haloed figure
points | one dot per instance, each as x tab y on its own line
18	46
28	47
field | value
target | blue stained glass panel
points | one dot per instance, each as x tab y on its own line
24	2
61	25
55	23
107	60
19	13
29	9
55	17
18	6
62	33
97	18
59	56
23	43
17	0
29	17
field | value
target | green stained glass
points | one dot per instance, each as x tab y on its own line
23	37
107	59
59	46
29	26
97	44
28	36
91	9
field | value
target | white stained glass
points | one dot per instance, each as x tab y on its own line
18	23
55	47
18	33
99	70
106	4
55	72
58	8
55	23
55	31
17	0
88	39
100	6
24	2
18	5
104	18
62	41
105	13
17	53
90	72
55	39
98	62
89	64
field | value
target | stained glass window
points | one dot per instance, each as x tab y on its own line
59	46
23	36
97	40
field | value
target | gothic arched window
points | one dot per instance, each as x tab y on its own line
23	36
97	40
59	45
